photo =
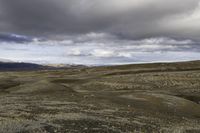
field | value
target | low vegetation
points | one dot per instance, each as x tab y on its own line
158	98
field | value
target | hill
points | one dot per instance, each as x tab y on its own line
12	66
157	97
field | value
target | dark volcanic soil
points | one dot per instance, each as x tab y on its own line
157	98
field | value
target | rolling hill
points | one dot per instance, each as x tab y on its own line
157	97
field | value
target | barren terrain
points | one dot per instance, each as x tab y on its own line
159	98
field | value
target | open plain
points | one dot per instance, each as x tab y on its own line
159	98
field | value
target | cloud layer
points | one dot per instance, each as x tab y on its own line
100	49
127	18
99	32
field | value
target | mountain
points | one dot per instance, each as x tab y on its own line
13	66
62	66
6	65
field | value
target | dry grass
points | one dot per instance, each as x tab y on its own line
132	98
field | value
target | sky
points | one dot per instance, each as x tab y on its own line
97	32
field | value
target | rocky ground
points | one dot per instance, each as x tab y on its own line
157	98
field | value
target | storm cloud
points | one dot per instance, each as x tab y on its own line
126	18
99	32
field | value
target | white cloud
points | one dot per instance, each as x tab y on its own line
100	48
102	53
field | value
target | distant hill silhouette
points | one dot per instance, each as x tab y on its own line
12	66
16	66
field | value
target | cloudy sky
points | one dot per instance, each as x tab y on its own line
97	32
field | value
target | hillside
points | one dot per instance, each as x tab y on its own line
157	97
12	66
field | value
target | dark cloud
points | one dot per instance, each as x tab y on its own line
47	17
134	19
14	38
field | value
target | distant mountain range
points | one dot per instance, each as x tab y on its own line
7	65
13	66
